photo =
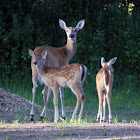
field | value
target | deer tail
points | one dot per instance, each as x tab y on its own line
83	72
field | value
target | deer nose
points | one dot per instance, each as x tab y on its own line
71	36
35	63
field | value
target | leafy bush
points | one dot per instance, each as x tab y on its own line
109	31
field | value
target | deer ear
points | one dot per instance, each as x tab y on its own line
80	24
44	54
31	52
62	24
102	61
112	61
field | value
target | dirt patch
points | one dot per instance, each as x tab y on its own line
10	103
63	131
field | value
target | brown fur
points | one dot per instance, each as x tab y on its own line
56	57
72	76
102	86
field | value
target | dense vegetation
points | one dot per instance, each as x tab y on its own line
112	29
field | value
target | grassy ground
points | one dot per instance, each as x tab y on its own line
125	101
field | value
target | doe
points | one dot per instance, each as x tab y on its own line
104	81
56	57
71	76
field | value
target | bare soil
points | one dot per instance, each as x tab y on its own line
10	103
63	131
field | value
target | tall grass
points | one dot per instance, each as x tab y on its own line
20	85
125	96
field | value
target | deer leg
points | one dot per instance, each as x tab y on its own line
99	115
82	103
55	101
62	102
76	108
82	107
45	96
47	92
104	105
78	93
109	108
34	80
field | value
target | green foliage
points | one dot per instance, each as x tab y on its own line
109	31
124	97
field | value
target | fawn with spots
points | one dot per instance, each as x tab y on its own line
104	81
71	76
56	57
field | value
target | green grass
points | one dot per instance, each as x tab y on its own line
125	96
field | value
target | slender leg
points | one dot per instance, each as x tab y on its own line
62	102
99	115
76	108
47	92
109	109
44	112
104	105
82	107
78	94
34	80
55	101
108	102
82	101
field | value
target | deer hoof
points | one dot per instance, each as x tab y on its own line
97	119
110	120
63	118
104	120
32	117
41	118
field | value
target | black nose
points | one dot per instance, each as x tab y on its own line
71	36
35	63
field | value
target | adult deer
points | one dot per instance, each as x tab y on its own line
56	57
104	81
71	76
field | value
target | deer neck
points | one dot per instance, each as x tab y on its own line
41	70
70	48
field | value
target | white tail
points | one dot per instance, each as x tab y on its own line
104	81
71	76
56	57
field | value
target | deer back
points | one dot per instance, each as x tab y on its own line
55	56
62	76
104	78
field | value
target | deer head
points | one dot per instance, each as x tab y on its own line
71	32
108	65
37	59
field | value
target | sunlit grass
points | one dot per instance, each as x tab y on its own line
115	120
16	122
125	101
3	121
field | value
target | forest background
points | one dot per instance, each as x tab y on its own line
112	29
